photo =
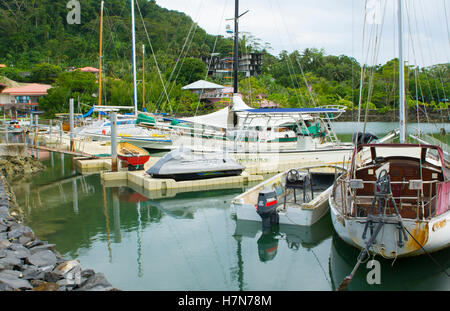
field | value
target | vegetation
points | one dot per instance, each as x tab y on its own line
38	45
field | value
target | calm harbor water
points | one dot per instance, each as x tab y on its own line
192	241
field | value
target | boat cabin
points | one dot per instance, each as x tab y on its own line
414	176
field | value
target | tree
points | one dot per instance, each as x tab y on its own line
191	70
45	73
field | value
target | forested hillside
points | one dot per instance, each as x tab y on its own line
38	45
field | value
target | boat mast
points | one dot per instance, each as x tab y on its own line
143	76
235	53
401	71
100	59
133	43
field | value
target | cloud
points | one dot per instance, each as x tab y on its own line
336	26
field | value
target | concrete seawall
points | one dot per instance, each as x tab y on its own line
29	264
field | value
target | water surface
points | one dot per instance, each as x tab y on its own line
146	240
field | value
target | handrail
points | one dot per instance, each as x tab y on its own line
422	201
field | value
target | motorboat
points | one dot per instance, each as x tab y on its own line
294	197
184	164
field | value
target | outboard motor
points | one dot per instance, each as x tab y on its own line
267	208
364	139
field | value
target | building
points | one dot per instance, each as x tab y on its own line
23	97
89	69
249	64
209	92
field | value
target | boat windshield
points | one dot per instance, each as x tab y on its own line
370	154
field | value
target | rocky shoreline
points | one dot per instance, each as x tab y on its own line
29	264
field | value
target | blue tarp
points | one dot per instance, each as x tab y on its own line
87	114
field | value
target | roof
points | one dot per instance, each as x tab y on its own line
2	65
30	89
89	69
202	85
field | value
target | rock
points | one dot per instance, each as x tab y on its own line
68	266
46	286
40	248
10	262
14	281
3	253
3	228
87	273
4	244
5	287
52	277
20	230
96	282
4	211
24	239
32	273
43	258
21	254
13	273
33	243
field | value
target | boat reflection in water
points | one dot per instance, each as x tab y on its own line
183	205
296	237
418	273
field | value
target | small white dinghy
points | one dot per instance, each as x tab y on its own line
294	197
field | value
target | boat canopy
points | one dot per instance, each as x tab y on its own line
293	110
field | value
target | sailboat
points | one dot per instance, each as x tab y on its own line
394	201
127	126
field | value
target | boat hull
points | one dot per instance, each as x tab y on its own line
431	234
198	175
134	160
292	216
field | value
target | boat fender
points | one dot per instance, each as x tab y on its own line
104	132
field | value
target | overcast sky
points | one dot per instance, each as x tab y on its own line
334	25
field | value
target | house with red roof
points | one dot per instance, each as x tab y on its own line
89	69
23	97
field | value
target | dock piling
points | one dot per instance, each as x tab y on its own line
113	119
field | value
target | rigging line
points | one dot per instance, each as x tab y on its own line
436	68
363	71
193	25
190	264
309	90
423	59
213	50
374	60
184	58
433	52
446	21
415	62
210	234
290	66
154	56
